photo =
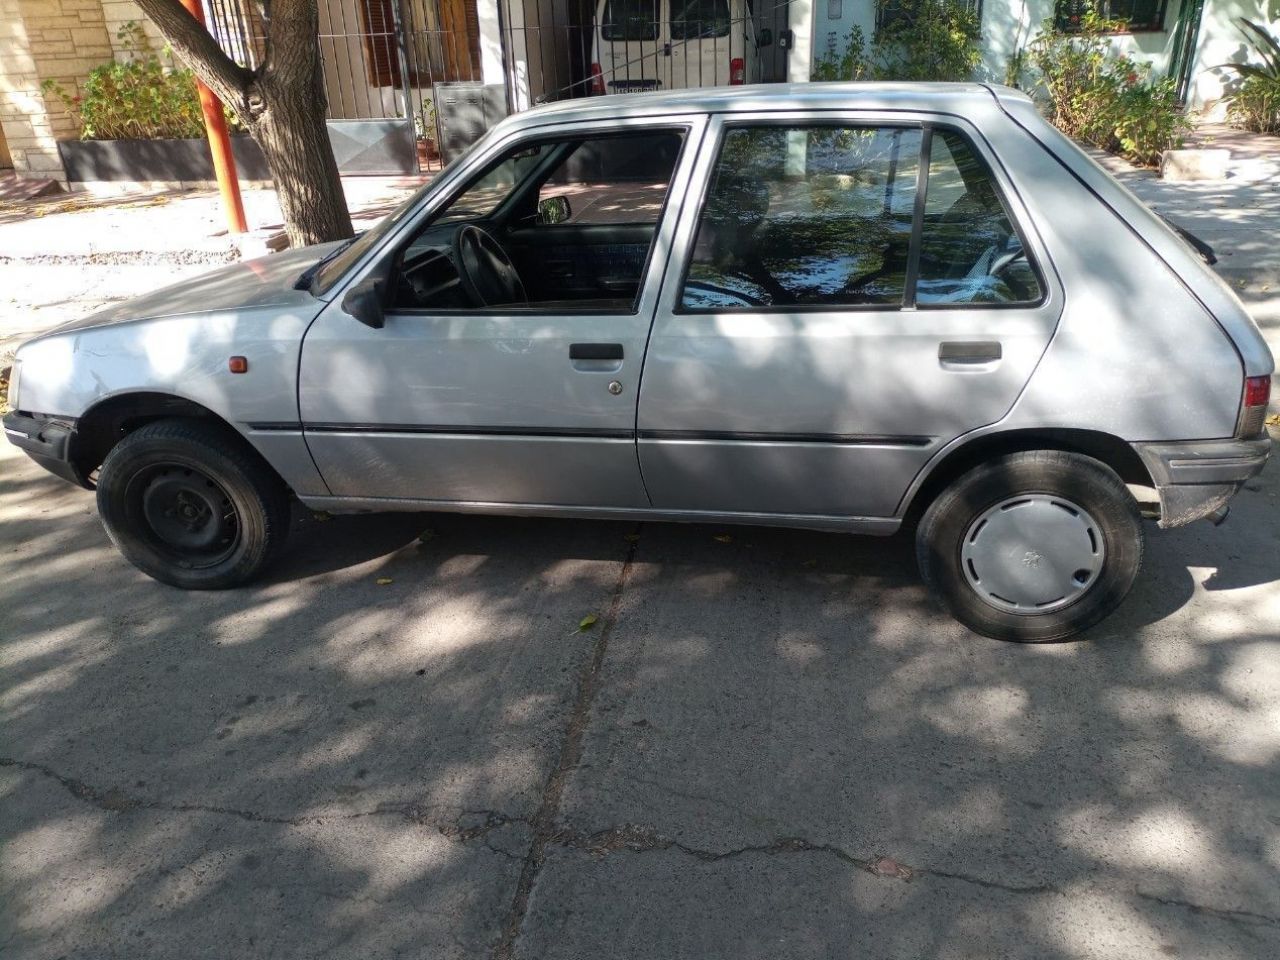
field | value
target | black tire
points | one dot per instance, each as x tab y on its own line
957	512
191	504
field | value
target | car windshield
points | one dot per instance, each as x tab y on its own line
330	271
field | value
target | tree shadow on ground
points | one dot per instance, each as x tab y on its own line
324	765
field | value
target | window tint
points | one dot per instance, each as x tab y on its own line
969	250
630	20
616	179
806	215
696	19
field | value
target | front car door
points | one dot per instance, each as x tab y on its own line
529	403
853	292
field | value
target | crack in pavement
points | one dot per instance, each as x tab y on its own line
544	830
601	843
117	801
1229	914
637	839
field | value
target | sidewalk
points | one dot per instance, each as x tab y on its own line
1239	216
65	256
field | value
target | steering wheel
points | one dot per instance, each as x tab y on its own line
487	275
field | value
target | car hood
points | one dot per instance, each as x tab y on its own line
264	282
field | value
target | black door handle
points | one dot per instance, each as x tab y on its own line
595	351
969	351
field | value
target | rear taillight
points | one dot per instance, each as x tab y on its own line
1253	409
597	79
737	72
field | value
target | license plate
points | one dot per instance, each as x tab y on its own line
632	86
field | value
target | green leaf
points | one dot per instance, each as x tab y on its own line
587	622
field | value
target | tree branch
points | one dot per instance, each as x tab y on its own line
229	81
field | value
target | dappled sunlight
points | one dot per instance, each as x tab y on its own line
1161	838
1086	922
38	860
372	755
995	716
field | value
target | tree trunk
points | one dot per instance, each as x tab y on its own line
290	127
282	105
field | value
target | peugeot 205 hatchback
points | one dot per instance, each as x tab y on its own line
844	307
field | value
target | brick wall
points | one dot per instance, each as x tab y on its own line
117	13
42	40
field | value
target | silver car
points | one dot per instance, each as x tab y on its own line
850	307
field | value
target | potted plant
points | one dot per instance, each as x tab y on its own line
424	125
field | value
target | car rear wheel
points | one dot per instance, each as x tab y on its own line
1033	546
189	503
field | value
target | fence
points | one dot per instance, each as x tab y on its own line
392	66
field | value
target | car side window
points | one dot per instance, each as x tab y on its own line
558	225
969	249
610	180
806	215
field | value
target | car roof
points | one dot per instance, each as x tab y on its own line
933	97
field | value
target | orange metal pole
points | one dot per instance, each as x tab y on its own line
224	161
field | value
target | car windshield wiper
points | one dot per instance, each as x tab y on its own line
308	275
1196	244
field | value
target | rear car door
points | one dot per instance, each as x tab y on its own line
853	292
518	403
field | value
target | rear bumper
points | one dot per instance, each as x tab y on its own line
1196	478
47	441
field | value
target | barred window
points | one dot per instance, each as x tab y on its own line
1138	14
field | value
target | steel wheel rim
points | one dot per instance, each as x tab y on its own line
1033	554
184	514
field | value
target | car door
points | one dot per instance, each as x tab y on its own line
531	405
823	331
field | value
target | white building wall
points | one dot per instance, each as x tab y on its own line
1009	23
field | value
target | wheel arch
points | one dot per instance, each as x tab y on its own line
111	419
1107	448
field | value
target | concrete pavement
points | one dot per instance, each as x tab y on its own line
768	747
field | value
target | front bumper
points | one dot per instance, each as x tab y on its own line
1196	478
47	441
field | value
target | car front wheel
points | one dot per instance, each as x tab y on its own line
189	503
1033	546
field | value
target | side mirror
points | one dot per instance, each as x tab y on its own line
553	210
765	38
364	302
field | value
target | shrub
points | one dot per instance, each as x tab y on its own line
1107	99
849	64
1256	105
140	97
927	40
918	40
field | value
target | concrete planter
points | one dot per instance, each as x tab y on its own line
155	160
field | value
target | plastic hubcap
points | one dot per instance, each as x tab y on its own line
1033	553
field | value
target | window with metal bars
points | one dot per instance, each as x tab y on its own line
1138	15
889	12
